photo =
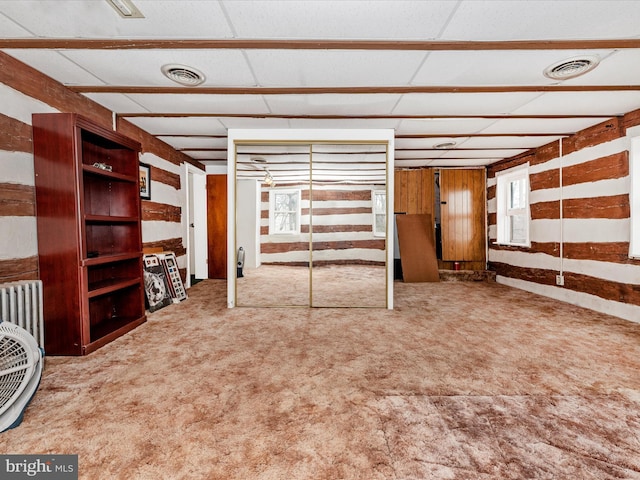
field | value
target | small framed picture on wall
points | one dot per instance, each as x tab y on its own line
145	181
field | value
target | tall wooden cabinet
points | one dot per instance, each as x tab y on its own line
89	233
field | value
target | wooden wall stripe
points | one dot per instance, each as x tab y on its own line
160	211
319	195
322	263
17	200
15	136
264	229
631	119
608	290
17	269
611	252
605	168
615	206
338	211
169	245
334	245
166	177
600	133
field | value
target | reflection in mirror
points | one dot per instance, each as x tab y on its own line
272	225
292	195
348	199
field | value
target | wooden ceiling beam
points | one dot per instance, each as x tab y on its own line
397	89
274	44
354	117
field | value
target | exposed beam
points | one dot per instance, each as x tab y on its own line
397	89
272	44
504	116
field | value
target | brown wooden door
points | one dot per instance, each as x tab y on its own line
217	225
462	215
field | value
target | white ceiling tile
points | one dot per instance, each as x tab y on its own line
340	123
480	154
179	126
195	142
550	19
55	65
404	154
582	103
254	122
426	142
201	103
522	142
11	29
332	104
143	67
540	125
117	102
495	67
205	155
96	19
461	103
621	67
334	68
443	126
339	19
443	162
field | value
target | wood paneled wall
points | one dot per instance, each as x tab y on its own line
414	191
594	199
26	91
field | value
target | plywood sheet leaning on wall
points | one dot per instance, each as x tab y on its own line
417	248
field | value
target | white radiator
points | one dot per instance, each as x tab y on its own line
21	304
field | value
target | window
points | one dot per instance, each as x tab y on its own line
379	200
634	200
284	212
512	197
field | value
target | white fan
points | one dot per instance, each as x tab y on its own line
20	373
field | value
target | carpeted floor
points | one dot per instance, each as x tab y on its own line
463	380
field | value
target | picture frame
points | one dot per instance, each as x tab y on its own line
145	181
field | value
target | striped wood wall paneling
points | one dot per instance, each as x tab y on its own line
596	212
17	200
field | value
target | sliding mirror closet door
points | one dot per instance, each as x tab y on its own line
348	225
272	225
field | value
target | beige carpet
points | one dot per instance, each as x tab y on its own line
322	286
463	380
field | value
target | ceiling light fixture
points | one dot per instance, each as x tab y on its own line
183	75
445	145
268	178
572	67
125	8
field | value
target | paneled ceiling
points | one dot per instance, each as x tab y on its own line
461	82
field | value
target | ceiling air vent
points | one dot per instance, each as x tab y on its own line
571	67
183	75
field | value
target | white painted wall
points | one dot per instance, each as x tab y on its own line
248	221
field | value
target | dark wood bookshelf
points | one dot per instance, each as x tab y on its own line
89	232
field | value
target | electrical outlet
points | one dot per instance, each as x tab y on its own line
560	280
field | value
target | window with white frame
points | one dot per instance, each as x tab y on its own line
512	197
634	197
284	212
379	201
